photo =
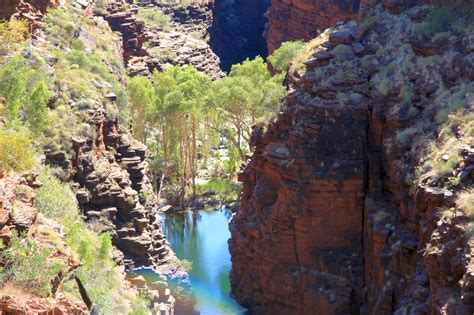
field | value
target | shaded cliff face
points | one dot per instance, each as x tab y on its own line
237	30
331	219
7	8
289	244
302	19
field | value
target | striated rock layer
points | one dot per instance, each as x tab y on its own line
330	219
109	174
302	19
186	42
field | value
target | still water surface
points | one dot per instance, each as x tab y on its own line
201	237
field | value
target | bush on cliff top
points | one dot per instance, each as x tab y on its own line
154	19
281	58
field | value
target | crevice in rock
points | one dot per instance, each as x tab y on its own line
237	30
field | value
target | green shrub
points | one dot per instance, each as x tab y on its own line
406	135
140	305
438	20
37	111
470	229
356	98
281	58
384	87
154	19
55	199
13	79
342	52
28	266
226	189
185	265
61	27
16	150
101	6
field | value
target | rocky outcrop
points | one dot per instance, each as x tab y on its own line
331	221
16	204
297	241
124	21
31	10
300	19
48	306
237	30
185	43
19	214
113	191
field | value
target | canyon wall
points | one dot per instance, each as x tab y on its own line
335	217
237	30
186	41
302	19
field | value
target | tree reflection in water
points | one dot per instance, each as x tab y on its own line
201	237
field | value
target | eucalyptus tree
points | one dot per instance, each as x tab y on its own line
249	94
177	118
142	96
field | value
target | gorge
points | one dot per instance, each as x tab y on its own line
123	125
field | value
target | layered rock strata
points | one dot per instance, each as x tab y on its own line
300	19
331	221
19	214
113	191
123	20
185	43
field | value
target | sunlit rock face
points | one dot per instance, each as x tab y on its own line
237	30
332	220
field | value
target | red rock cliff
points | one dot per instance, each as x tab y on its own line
331	220
302	19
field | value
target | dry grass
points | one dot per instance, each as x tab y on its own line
10	289
465	202
309	49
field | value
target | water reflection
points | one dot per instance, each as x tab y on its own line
201	237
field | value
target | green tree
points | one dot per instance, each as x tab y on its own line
177	117
13	82
142	97
249	94
281	58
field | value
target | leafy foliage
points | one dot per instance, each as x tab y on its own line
228	191
142	96
154	19
55	200
37	111
281	58
16	150
465	202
